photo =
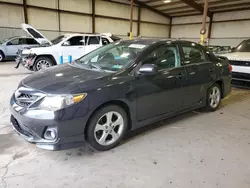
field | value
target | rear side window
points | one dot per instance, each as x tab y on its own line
93	40
193	53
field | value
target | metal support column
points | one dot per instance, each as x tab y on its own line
93	16
131	19
58	14
210	28
25	11
204	21
170	28
139	22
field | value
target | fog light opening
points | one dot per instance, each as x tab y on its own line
50	134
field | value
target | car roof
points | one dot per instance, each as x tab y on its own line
153	41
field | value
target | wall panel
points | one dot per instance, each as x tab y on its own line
186	31
12	1
154	30
11	16
188	19
43	19
43	3
147	15
114	10
76	23
117	27
84	6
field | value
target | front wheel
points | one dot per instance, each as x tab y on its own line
1	56
213	97
107	127
42	63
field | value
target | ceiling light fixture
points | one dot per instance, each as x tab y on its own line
167	1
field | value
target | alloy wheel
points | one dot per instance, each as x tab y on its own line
1	57
43	64
214	97
109	128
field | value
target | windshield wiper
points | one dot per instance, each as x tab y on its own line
96	67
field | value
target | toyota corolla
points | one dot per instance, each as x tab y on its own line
117	88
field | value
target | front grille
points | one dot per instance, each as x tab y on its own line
25	97
240	63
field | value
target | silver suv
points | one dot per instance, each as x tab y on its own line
10	46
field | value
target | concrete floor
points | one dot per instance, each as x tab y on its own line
194	150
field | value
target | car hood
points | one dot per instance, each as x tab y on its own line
239	56
65	79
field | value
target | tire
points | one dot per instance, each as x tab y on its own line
213	98
42	63
1	56
103	134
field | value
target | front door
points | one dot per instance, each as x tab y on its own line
161	93
200	73
74	47
13	46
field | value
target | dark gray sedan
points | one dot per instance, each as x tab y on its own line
115	89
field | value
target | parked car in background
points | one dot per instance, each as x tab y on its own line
240	61
10	46
219	49
117	88
50	52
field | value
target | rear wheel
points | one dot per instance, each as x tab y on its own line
107	128
1	56
213	97
42	63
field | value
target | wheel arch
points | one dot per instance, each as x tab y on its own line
119	103
1	51
48	56
221	84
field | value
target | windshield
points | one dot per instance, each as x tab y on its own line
5	40
58	39
112	57
243	47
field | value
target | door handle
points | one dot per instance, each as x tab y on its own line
80	47
211	70
180	75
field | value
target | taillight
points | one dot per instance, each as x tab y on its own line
230	68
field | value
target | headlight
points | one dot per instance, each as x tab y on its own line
57	102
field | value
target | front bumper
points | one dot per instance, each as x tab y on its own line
243	77
32	125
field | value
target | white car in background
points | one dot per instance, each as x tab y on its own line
10	46
239	58
59	49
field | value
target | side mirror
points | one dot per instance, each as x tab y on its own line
66	43
148	69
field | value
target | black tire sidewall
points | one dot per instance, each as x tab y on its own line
209	107
42	58
2	54
92	123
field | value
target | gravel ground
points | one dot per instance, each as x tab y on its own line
193	150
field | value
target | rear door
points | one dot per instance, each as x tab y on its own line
200	73
93	42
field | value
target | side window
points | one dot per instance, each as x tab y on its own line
22	41
193	54
165	56
31	41
76	41
13	42
105	41
93	40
